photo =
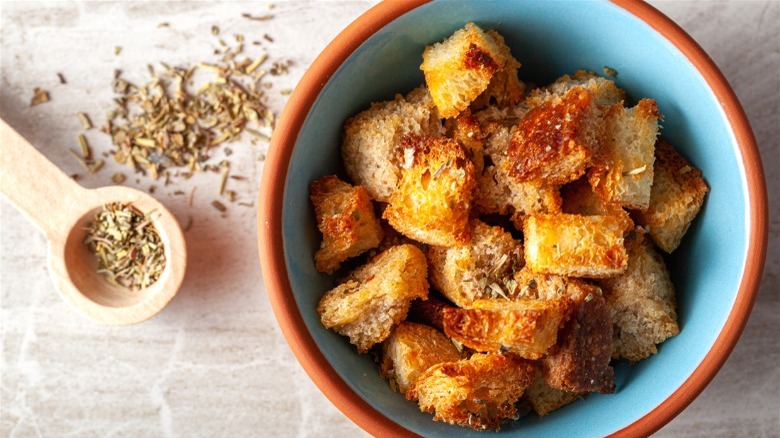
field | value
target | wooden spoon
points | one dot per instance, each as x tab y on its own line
62	209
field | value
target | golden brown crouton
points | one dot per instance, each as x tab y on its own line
641	303
555	141
460	68
479	392
605	92
345	216
527	328
371	138
411	350
498	193
432	201
624	174
544	399
376	297
504	87
472	271
576	245
675	198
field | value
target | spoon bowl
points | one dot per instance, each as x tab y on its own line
62	209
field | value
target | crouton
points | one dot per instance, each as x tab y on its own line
410	350
479	392
575	245
345	216
471	271
498	193
460	68
544	399
371	138
527	328
504	87
675	198
579	360
376	297
641	303
555	141
428	312
624	175
432	201
604	90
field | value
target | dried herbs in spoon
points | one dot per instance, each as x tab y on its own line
128	249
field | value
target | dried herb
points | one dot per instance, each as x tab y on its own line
85	121
610	72
219	206
39	96
62	78
128	249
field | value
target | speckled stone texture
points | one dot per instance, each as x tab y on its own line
214	362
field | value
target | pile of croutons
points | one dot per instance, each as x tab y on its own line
503	240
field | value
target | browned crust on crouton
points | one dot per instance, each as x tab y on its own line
579	362
345	216
527	328
433	199
504	87
410	350
376	297
555	141
479	392
428	312
460	68
675	199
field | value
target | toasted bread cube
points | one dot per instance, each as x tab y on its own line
579	362
371	137
376	297
604	90
479	392
460	68
345	216
576	245
498	193
555	141
504	87
411	350
625	173
675	198
433	198
527	328
469	272
544	399
641	303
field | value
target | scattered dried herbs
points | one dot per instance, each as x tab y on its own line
128	249
39	96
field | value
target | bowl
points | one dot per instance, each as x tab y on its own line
716	270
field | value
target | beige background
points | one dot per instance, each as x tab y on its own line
214	362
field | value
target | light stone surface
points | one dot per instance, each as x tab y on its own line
214	362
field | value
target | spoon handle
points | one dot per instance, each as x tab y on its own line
35	186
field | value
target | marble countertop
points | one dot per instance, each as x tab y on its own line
214	362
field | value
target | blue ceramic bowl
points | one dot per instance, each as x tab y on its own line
716	270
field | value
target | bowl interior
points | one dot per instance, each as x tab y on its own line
550	38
